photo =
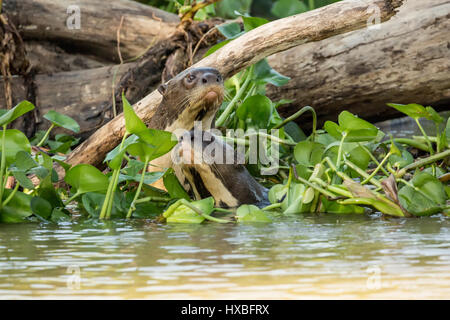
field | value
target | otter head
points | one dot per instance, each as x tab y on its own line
197	91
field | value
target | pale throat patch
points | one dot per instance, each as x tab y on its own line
216	187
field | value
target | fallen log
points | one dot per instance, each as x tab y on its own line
244	51
318	71
78	94
406	60
99	20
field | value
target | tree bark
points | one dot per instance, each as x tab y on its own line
244	51
406	60
54	21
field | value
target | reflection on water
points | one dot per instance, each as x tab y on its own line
300	257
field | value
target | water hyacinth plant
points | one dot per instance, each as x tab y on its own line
349	166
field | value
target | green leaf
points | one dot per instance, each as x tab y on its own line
15	141
14	113
183	214
173	186
434	115
17	209
154	144
413	110
133	123
256	110
24	161
333	129
216	47
263	73
251	23
427	197
286	8
40	171
227	8
277	193
293	203
399	162
251	213
357	129
336	208
59	215
62	147
86	178
308	153
230	30
115	152
46	188
294	131
92	203
41	207
22	178
61	120
149	178
359	157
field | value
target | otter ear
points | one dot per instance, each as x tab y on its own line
162	88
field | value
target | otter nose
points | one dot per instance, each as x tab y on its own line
211	78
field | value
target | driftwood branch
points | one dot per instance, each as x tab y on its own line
248	49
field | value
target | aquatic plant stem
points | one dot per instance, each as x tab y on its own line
298	114
3	165
423	162
272	206
309	184
413	143
198	211
433	167
230	107
320	189
373	158
16	187
45	136
113	191
152	198
377	169
7	173
438	139
333	167
106	201
339	156
107	204
72	198
246	142
425	136
138	190
362	173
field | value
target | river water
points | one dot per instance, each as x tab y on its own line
325	256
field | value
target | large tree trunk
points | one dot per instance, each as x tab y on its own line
48	20
242	52
407	60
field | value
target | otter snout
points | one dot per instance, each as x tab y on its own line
211	78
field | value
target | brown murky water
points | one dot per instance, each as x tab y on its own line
326	256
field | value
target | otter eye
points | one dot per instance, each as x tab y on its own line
190	77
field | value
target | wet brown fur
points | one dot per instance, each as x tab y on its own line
178	96
231	178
